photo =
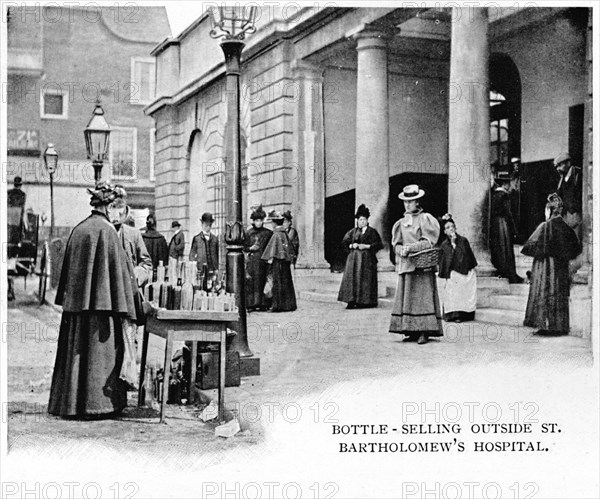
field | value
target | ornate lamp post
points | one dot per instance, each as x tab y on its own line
232	24
97	135
51	162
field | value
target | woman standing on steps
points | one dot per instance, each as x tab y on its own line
359	284
416	311
551	245
457	268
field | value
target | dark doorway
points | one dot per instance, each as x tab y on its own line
576	134
339	219
538	179
435	200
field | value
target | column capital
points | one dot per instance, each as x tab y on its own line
372	35
307	70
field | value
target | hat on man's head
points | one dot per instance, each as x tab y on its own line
561	158
515	160
18	182
411	192
287	214
258	213
207	218
175	223
362	211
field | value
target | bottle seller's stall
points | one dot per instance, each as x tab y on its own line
205	326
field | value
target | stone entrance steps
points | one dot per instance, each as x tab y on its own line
498	302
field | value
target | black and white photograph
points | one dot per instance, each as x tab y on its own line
299	249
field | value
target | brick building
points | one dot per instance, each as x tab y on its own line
343	106
60	60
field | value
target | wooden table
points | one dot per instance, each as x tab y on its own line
186	325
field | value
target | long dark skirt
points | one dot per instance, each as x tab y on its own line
501	247
88	362
417	305
359	284
284	294
548	302
256	270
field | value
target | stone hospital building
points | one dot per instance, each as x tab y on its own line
343	106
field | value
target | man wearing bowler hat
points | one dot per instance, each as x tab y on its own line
569	190
205	245
177	244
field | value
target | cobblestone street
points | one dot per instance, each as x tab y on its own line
317	365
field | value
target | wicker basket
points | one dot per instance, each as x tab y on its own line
426	259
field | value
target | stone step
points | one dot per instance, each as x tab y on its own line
499	316
332	298
510	302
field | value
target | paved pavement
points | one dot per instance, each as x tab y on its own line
305	356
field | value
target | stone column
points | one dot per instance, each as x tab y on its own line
584	273
309	159
372	131
469	131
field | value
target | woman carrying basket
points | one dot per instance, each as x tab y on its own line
416	311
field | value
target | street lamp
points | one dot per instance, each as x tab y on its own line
97	135
232	24
51	163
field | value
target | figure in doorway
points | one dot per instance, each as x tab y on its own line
569	190
503	230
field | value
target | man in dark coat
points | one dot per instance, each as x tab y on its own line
359	284
280	254
255	241
205	246
177	243
570	191
155	242
96	292
502	230
551	245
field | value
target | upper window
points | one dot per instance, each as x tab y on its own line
143	80
54	104
123	153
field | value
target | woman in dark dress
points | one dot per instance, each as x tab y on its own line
457	268
359	284
292	234
502	229
256	240
96	291
551	245
280	254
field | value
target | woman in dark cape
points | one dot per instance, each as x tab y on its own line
280	253
457	268
502	229
96	293
256	239
359	284
551	245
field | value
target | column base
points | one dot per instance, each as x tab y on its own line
320	264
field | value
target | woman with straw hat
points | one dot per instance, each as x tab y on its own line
416	311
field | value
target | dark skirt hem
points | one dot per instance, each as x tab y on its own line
459	315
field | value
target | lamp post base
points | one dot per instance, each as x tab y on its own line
236	282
